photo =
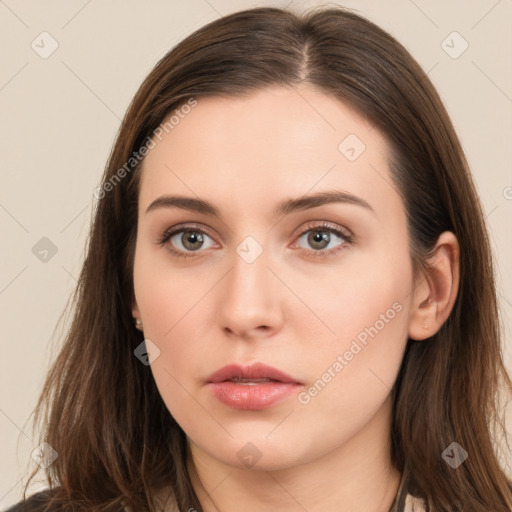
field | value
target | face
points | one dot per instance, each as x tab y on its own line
272	273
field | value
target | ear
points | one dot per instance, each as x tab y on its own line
436	289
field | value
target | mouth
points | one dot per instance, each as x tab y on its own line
255	373
252	387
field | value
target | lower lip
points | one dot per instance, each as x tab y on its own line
252	396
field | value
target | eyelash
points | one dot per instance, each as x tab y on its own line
324	226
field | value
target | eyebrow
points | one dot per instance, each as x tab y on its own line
286	207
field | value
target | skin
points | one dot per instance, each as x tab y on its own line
292	308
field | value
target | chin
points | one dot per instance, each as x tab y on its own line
251	449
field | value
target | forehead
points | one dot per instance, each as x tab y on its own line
285	141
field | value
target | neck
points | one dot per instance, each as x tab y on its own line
355	477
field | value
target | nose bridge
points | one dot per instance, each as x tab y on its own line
249	297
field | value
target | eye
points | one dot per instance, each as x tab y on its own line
319	239
324	238
184	240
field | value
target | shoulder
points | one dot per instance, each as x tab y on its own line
35	503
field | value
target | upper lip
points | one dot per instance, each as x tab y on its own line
256	371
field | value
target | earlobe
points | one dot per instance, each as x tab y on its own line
136	316
436	290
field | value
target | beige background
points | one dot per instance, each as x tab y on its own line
60	116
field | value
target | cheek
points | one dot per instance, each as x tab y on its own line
175	305
365	290
368	309
171	302
165	295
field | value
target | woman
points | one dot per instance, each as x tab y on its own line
288	300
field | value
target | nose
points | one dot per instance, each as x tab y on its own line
250	302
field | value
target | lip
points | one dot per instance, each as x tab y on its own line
252	387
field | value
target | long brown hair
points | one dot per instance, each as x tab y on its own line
100	408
